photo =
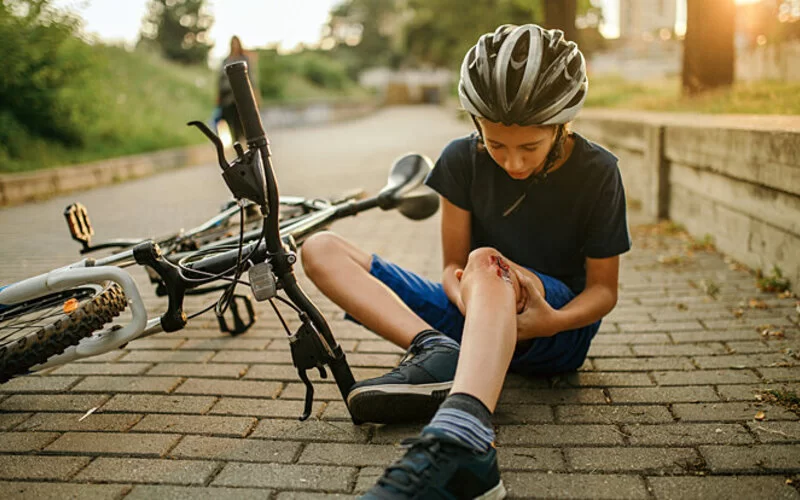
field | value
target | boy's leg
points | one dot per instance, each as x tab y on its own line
415	388
454	456
341	272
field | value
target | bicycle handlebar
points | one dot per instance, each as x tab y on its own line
246	103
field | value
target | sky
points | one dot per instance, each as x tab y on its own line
258	22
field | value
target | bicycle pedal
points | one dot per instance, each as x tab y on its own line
239	326
262	281
80	227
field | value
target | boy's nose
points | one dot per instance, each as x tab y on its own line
514	164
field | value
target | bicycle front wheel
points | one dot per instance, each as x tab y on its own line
34	330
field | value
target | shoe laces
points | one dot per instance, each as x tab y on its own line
407	476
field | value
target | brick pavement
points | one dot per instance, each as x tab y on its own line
669	405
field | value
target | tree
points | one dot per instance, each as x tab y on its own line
560	14
179	29
708	50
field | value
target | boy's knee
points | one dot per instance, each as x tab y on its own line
482	256
317	249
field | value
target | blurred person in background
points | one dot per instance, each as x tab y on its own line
533	223
226	106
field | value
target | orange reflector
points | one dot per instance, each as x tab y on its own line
70	305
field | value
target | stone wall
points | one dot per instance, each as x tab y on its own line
736	178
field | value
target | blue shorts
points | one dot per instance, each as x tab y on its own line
563	352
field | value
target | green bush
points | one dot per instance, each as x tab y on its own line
45	85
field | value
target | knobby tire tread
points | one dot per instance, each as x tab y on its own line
17	357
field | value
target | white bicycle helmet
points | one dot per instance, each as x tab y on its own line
523	75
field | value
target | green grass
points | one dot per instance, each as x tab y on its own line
768	97
145	103
299	90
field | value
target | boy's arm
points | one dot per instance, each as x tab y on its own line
595	301
455	248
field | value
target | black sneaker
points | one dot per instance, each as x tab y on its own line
437	466
411	392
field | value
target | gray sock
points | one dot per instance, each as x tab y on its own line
430	337
465	418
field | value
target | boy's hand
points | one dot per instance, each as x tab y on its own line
536	318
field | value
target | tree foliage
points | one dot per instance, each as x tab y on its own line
45	88
179	29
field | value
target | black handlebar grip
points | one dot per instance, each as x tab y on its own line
245	102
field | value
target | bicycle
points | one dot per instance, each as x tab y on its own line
59	316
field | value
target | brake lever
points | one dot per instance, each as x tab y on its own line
214	138
307	353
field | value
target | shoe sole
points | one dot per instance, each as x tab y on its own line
397	403
496	493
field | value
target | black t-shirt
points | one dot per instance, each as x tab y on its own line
577	212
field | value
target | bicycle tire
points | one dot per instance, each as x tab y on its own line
19	354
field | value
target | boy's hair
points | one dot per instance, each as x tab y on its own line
523	75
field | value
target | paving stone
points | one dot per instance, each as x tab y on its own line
572	485
106	443
38	383
127	384
508	413
322	392
143	356
776	432
149	492
156	343
356	455
662	394
226	343
686	434
609	351
706	377
680	349
272	357
9	420
652	460
552	396
152	403
704	488
726	412
740	361
59	491
147	470
305	495
40	467
238	450
752	458
53	402
195	424
311	430
643	364
558	435
530	459
603	379
612	414
72	422
230	387
288	373
714	336
749	392
263	407
286	477
394	434
781	374
102	369
752	347
631	338
106	357
335	410
19	442
208	370
379	346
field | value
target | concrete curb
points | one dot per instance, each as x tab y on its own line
16	189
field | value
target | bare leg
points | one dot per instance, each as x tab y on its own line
490	331
341	272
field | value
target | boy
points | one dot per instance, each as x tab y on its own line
533	223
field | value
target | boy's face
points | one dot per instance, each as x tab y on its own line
519	150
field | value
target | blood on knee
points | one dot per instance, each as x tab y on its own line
503	271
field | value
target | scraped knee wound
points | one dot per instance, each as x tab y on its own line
503	271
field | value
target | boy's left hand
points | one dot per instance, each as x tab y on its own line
536	318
